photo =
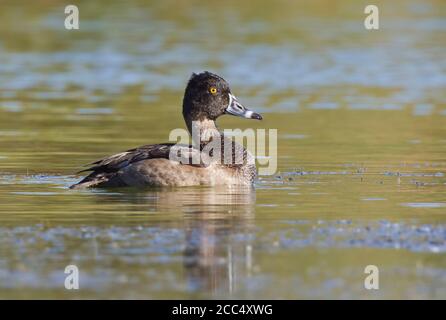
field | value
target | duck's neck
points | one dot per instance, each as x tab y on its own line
202	131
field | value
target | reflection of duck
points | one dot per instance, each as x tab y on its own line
207	97
218	223
218	252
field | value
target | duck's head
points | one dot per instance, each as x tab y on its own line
208	96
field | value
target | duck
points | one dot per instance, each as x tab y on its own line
207	97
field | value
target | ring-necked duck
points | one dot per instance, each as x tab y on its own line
207	97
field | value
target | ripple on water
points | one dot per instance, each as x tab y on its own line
424	204
324	105
375	234
61	181
371	106
294	136
35	193
88	111
11	106
423	109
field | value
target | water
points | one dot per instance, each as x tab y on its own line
361	119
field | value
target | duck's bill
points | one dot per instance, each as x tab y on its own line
237	109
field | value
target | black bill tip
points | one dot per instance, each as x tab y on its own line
256	116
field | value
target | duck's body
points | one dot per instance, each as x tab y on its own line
152	165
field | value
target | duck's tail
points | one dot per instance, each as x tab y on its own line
94	179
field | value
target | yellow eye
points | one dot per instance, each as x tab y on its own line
213	90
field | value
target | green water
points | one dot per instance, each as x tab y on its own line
361	119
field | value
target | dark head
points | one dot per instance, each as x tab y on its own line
208	96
